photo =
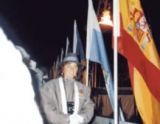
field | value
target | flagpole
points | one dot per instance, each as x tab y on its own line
116	33
87	71
115	82
88	40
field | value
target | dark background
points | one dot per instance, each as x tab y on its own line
41	26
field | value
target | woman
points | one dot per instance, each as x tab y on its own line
65	100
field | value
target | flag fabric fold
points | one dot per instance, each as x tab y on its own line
137	46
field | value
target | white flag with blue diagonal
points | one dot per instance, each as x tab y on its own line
96	49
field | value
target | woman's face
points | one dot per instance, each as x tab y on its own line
70	70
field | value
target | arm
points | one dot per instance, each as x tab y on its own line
50	108
87	109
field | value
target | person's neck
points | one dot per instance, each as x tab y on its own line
68	78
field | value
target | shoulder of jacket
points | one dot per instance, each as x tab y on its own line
50	83
81	85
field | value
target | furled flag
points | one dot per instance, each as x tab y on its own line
57	62
77	43
137	45
67	46
62	52
96	50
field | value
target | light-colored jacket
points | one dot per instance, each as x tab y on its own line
52	103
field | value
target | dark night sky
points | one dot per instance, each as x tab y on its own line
41	26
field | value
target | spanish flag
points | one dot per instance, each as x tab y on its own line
137	46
